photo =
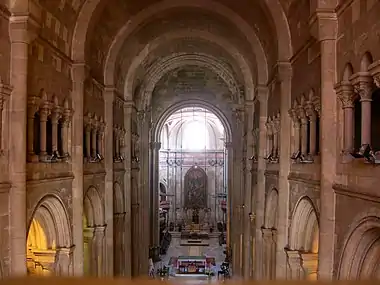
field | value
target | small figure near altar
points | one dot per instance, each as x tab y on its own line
195	218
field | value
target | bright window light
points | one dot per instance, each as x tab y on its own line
195	136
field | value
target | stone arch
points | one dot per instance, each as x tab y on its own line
274	7
304	227
347	72
52	215
172	62
159	124
359	257
262	73
366	61
271	209
93	208
118	199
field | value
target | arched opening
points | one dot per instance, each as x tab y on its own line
94	232
269	232
49	240
194	195
303	241
360	259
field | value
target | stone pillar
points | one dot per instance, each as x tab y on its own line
346	95
285	77
55	116
269	137
94	132
276	136
324	28
78	76
127	112
88	136
363	85
262	94
21	31
100	138
304	122
296	126
295	265
32	109
99	244
267	247
116	138
119	244
63	265
230	210
310	265
44	111
65	129
155	150
248	197
109	97
312	116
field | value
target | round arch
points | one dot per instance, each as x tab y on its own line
158	125
93	208
271	210
359	257
304	227
169	63
51	214
274	7
262	73
118	199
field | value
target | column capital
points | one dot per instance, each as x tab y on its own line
374	70
79	71
294	258
363	85
262	93
345	93
228	145
284	70
109	94
23	29
155	145
323	25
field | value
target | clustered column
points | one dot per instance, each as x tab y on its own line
273	138
269	253
118	134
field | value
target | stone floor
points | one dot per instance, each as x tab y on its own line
175	249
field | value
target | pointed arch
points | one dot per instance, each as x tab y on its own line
118	199
93	208
271	209
52	215
304	226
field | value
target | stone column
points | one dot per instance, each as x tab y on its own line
65	129
273	255
94	132
155	150
304	121
127	112
346	95
88	138
269	137
116	142
63	265
262	94
248	197
363	85
21	31
55	116
312	116
32	109
230	210
88	237
276	136
109	97
310	265
99	243
296	126
78	76
267	254
324	28
295	265
285	77
44	112
100	138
